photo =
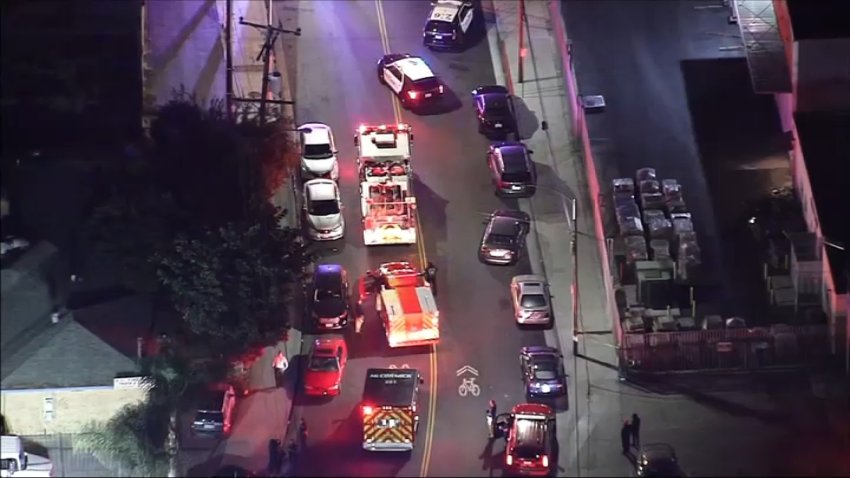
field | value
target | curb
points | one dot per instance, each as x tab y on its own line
491	22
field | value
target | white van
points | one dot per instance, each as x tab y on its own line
14	461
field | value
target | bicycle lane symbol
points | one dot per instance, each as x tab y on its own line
467	385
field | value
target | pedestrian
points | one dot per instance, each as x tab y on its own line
302	433
491	419
635	430
280	364
431	275
625	436
358	316
292	454
275	457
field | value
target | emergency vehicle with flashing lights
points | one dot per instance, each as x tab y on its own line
387	204
406	306
410	79
448	24
389	409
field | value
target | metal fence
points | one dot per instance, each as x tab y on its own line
736	349
59	447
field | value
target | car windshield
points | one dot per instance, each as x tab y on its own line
438	26
496	106
533	300
317	151
516	176
208	417
527	452
546	370
324	364
426	84
327	294
500	240
325	207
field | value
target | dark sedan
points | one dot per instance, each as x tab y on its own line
504	237
512	170
658	459
495	111
543	371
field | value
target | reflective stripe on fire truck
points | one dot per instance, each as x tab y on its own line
392	425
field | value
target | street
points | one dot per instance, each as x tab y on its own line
336	84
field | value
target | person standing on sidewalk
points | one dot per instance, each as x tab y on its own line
626	436
280	365
635	430
302	433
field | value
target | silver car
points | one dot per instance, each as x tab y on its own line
531	299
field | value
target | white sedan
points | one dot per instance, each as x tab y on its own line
323	209
318	152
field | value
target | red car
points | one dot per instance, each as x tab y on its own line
531	440
324	370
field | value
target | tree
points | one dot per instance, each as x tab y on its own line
233	284
126	442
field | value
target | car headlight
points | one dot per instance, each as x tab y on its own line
334	387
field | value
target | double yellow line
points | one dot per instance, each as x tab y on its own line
423	262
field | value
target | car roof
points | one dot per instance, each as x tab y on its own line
328	276
321	189
414	68
514	158
532	287
319	134
504	225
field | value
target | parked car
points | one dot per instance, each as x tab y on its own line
325	367
318	152
323	208
214	414
511	169
543	371
658	459
330	302
494	109
531	300
504	237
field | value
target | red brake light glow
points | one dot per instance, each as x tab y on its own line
383	126
544	461
367	410
412	94
441	88
402	126
509	459
362	128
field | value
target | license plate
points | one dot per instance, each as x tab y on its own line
208	426
438	37
327	321
498	125
516	188
427	95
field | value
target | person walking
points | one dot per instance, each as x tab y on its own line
275	457
625	436
292	455
431	275
280	365
491	419
635	430
302	433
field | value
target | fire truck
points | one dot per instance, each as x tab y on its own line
389	409
386	198
406	306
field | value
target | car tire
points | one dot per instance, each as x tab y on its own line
381	77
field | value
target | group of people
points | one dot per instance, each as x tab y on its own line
630	433
280	456
372	283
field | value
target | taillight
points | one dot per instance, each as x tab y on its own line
412	94
402	127
383	127
362	128
509	459
545	461
367	410
441	88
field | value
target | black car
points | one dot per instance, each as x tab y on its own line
495	111
512	169
448	24
330	302
410	79
214	415
543	371
658	459
504	237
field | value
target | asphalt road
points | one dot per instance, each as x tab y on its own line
336	84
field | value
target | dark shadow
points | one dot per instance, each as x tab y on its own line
491	461
611	366
551	204
432	214
90	298
448	103
341	454
526	120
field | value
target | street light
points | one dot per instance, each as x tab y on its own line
570	215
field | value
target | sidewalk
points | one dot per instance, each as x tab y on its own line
594	388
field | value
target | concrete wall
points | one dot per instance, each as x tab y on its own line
72	408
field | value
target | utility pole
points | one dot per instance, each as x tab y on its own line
574	249
521	50
228	58
271	34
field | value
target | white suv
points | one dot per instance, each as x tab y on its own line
318	152
323	209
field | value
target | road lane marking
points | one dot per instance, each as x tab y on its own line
466	369
468	385
423	261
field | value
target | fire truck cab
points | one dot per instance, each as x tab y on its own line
386	197
389	409
406	306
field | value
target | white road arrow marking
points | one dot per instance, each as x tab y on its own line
466	369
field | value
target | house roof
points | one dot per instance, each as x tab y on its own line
821	19
87	349
826	148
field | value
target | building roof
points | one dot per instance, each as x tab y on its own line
819	19
88	348
825	143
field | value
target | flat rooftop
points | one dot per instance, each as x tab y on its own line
825	141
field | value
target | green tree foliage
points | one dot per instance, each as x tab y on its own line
232	284
126	442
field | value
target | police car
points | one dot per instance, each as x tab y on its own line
410	78
448	23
